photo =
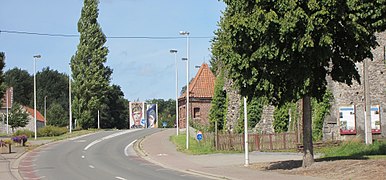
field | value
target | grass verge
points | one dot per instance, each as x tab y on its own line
195	147
355	150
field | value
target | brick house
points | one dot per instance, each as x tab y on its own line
201	90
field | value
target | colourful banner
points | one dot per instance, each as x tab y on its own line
151	116
136	115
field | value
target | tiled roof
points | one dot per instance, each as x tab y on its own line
202	85
39	117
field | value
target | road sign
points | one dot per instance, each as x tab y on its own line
199	135
164	124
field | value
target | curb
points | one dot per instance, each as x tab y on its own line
138	147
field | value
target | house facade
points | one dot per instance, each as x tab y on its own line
7	103
201	90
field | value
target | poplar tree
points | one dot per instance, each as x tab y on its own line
284	49
2	64
91	77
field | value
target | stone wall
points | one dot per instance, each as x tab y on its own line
233	109
265	125
345	95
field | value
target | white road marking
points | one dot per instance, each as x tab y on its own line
82	157
127	147
108	137
91	166
121	178
80	141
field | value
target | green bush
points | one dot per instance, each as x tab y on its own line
26	132
49	131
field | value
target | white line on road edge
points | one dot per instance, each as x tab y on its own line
91	166
107	137
121	178
127	147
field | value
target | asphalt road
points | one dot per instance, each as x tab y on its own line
101	156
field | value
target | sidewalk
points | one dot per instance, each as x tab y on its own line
9	163
158	149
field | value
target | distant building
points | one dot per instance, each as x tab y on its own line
3	113
201	90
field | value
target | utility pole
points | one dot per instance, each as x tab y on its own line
368	134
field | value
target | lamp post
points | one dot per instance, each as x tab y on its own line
45	110
69	100
7	110
185	33
36	57
174	51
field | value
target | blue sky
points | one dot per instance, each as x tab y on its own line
144	68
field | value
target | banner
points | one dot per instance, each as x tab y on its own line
152	116
136	115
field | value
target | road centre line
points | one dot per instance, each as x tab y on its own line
120	178
107	137
127	147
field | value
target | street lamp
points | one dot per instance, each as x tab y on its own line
45	110
36	57
185	33
174	51
69	99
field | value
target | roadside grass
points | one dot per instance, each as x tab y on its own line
67	135
195	147
354	150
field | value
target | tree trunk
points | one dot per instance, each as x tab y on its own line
308	157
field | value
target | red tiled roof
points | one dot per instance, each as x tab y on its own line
39	117
202	85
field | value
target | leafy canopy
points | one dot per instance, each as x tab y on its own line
283	49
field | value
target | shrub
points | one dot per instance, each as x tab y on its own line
21	139
25	132
48	131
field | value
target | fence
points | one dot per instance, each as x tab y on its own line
257	142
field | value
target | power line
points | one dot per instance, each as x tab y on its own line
109	37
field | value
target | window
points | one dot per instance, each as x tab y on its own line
196	112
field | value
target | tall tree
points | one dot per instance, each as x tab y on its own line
22	84
2	64
284	49
54	86
57	115
91	77
115	113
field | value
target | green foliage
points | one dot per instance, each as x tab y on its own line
91	77
254	112
48	131
22	84
281	117
194	146
54	86
319	112
26	132
17	117
2	64
284	49
218	105
166	111
57	115
115	112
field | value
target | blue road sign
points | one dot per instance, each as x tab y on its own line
199	135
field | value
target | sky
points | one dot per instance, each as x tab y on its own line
143	68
